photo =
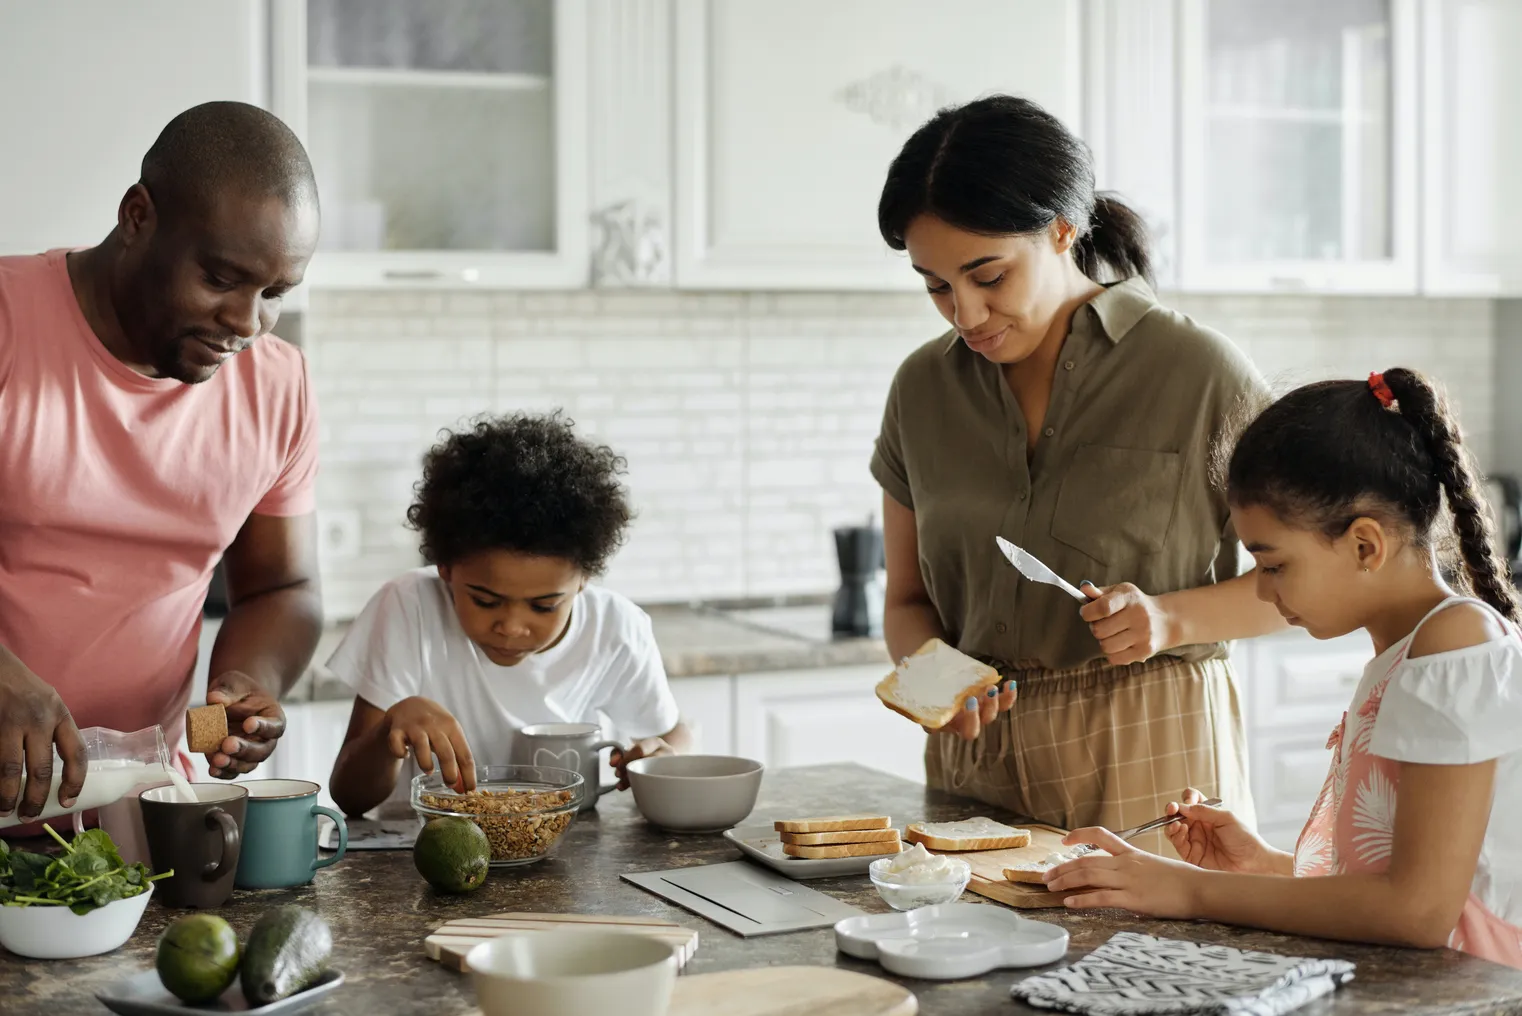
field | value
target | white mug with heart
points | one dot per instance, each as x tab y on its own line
574	746
568	759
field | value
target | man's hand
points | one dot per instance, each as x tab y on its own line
32	720
251	711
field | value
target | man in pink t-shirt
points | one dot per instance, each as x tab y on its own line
149	426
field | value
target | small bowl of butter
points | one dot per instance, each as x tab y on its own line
917	878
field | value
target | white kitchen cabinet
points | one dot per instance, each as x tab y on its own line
449	140
1288	770
88	86
789	112
1130	115
815	717
707	705
1271	147
1298	145
1295	692
1472	147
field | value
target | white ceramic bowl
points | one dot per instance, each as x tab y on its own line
573	973
57	933
695	793
912	896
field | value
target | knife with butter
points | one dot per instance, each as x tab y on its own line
1034	570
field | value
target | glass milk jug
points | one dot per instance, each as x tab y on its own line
118	762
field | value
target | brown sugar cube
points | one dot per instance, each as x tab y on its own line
206	728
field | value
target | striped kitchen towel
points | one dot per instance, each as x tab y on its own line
1139	975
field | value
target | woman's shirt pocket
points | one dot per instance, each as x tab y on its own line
1117	504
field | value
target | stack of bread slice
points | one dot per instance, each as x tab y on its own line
839	836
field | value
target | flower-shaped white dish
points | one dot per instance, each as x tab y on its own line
951	942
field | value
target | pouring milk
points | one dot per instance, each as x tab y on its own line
118	762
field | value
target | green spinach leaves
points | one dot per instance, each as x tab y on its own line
89	873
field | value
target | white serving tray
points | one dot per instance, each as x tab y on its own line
761	844
951	941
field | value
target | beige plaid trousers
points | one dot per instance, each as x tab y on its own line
1103	745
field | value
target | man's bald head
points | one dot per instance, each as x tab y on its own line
218	229
222	148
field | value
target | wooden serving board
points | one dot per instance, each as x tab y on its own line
450	942
787	991
988	870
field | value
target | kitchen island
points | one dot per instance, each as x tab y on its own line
380	911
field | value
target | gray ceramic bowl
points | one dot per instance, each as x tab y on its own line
695	793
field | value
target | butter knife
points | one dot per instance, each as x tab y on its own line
1035	570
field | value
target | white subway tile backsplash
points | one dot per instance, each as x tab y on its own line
747	419
786	473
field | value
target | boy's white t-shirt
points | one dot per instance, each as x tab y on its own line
408	642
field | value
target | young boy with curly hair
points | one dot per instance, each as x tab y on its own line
447	662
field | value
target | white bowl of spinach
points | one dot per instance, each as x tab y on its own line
82	901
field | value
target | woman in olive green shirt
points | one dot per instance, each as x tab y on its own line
1078	420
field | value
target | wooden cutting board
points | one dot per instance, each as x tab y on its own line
450	942
787	991
988	870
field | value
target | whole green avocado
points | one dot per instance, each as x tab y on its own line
287	951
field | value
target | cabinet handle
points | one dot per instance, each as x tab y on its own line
418	276
1288	282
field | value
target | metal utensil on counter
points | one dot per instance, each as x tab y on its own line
1166	820
1034	570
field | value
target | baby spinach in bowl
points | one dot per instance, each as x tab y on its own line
88	874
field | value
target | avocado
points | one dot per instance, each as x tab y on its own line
198	958
287	952
453	854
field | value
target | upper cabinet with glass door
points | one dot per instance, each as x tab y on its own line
1472	141
1297	125
448	137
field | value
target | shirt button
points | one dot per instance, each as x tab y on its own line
1001	627
1068	365
1022	495
1049	431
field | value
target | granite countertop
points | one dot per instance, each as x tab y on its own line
695	641
380	911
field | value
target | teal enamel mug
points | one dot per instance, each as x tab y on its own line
280	835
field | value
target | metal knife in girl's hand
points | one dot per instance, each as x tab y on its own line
1034	570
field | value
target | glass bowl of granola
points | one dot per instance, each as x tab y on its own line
523	810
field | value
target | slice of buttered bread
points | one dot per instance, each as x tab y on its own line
933	684
969	834
1035	871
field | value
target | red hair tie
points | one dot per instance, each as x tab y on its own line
1381	390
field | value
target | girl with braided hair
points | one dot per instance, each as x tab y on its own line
1339	490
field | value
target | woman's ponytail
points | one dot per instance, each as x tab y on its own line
1115	245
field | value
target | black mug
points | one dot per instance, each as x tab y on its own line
199	841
